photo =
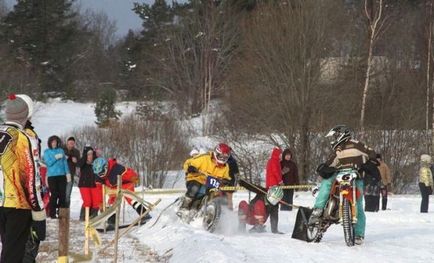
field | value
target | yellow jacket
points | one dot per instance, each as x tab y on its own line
425	176
206	165
17	174
385	173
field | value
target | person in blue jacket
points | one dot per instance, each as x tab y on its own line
58	174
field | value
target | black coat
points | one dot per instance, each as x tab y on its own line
233	171
87	177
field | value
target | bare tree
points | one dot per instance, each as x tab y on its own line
377	21
197	56
275	81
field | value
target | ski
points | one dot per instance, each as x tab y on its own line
110	228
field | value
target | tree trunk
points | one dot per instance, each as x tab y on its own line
366	86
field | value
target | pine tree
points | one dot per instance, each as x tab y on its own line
105	110
41	36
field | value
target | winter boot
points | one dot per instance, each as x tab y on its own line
140	209
93	212
257	229
82	213
315	216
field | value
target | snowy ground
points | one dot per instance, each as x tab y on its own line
400	234
397	235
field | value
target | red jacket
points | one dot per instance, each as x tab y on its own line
115	169
273	174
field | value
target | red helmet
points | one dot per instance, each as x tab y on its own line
221	153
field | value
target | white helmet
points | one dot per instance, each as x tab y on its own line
29	103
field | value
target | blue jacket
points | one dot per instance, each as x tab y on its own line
55	167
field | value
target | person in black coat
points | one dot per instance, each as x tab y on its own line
372	183
233	174
289	177
87	183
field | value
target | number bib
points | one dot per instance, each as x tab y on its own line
212	182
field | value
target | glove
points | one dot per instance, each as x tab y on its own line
325	171
58	156
39	230
192	169
68	178
315	191
39	215
429	190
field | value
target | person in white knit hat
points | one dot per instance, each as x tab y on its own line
19	202
425	181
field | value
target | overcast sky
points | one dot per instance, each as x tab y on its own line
119	10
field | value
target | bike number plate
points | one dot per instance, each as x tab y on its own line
212	182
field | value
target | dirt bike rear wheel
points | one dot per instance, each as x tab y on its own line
347	223
314	233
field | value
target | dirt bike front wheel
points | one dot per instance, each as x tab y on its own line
347	223
212	215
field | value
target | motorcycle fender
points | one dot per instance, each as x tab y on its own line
347	195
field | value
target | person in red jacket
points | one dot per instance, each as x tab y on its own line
274	172
273	177
108	171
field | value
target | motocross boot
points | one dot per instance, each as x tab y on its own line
185	207
359	240
315	216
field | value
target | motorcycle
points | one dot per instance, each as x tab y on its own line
209	207
340	208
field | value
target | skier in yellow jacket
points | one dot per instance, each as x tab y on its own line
198	168
19	202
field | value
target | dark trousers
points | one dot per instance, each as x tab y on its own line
425	192
384	193
57	185
273	211
288	196
14	231
372	203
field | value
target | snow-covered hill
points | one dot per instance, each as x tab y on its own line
57	117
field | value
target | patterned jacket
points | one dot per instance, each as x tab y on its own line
18	171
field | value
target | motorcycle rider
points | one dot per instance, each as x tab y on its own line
198	168
347	153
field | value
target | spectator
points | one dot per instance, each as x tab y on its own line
90	194
38	228
57	173
18	179
107	171
289	177
233	174
386	181
372	186
425	182
72	156
273	177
